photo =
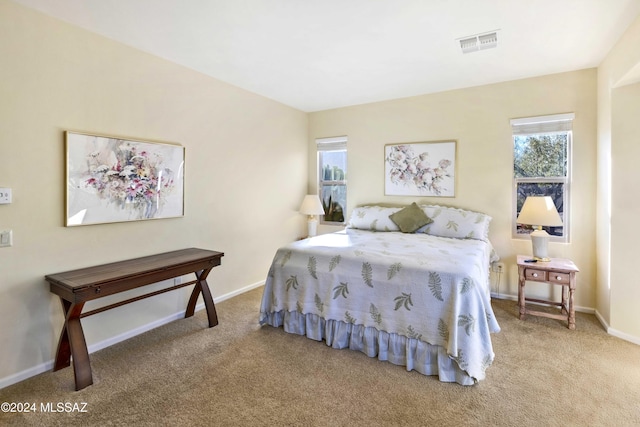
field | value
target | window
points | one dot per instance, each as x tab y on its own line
542	167
332	180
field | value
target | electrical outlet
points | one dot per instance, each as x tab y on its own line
497	267
5	196
6	238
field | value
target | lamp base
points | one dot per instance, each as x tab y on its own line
312	226
540	243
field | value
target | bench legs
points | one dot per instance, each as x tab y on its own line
202	286
72	345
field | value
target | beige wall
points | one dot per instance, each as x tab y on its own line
245	175
478	118
618	174
625	209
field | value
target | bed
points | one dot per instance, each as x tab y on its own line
417	296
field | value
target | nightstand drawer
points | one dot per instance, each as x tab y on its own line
533	274
562	278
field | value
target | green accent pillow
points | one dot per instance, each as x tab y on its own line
410	218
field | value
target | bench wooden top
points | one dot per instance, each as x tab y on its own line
106	279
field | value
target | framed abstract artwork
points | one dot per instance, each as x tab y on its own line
112	179
420	169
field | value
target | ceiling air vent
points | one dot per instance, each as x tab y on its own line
479	42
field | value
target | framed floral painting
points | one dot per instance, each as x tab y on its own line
111	179
420	169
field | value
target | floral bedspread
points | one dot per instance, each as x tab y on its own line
430	288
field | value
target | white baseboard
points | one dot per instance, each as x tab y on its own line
605	325
504	296
624	336
603	322
48	365
27	373
615	332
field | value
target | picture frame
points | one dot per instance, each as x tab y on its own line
113	179
424	169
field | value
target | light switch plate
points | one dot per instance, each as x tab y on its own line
6	238
5	196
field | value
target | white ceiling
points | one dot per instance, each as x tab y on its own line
320	54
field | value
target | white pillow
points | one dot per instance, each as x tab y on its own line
374	218
457	223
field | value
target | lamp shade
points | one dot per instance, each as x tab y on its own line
311	205
540	211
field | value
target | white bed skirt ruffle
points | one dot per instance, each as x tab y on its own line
417	355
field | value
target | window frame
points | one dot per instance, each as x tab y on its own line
544	125
324	145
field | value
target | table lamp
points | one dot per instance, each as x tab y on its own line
539	211
312	206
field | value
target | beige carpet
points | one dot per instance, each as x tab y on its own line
239	374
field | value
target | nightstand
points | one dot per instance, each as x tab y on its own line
558	271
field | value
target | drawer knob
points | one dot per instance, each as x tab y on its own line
558	277
535	274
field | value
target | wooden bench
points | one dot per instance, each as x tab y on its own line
79	286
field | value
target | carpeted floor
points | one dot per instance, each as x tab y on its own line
239	374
